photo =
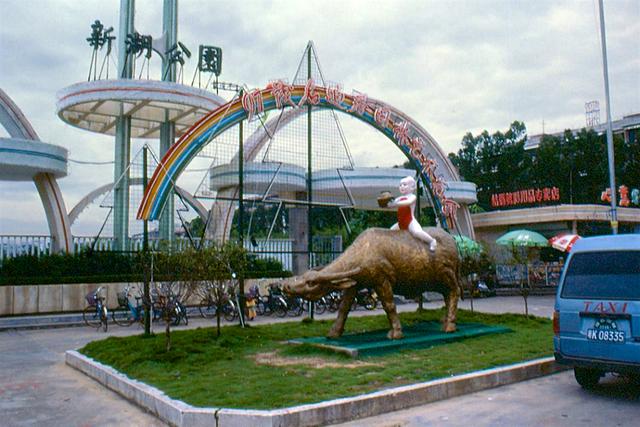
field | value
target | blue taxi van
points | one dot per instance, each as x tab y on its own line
596	321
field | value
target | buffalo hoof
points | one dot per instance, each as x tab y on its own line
449	327
395	335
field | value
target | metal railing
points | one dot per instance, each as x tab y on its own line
13	245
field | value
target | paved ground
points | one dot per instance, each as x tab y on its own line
37	388
554	400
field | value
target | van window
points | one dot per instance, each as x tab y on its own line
603	275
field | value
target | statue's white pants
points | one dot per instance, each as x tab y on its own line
417	231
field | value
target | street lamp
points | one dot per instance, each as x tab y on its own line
612	171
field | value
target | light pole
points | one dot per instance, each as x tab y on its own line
612	170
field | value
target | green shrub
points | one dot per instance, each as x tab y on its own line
104	267
71	268
269	267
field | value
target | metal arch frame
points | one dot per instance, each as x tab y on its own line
224	207
17	125
200	209
232	113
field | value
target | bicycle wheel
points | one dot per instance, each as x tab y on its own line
261	307
183	313
175	318
280	307
104	318
297	307
370	302
320	306
139	315
207	308
229	311
122	316
333	304
176	315
91	317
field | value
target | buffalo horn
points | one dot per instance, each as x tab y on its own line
336	276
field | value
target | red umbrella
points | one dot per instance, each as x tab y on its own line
564	242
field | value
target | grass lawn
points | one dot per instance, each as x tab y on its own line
252	368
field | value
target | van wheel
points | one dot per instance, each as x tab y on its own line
586	377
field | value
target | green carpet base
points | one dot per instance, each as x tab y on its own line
418	335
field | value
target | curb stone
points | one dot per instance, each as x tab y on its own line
178	413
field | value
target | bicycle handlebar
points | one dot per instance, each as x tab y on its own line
97	293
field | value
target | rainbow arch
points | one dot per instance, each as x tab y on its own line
219	120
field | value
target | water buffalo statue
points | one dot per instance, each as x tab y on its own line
388	261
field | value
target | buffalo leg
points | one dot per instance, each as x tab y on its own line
385	293
345	305
445	298
451	304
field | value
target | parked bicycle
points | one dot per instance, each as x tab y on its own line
167	305
365	298
207	306
212	296
332	300
95	314
273	302
321	305
126	313
171	307
295	306
229	308
179	311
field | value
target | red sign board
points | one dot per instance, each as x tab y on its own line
525	197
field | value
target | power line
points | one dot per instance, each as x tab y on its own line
90	163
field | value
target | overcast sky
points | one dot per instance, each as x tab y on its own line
453	66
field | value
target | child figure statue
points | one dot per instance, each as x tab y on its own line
406	219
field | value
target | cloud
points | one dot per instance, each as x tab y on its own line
455	67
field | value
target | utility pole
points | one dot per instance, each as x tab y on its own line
309	177
610	156
241	299
145	252
168	127
123	133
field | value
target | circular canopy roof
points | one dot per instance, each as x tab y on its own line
363	184
22	159
95	105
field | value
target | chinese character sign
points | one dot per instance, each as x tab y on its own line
281	94
210	59
627	197
523	197
252	103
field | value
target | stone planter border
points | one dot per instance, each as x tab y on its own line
178	413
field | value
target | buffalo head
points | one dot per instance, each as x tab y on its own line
313	284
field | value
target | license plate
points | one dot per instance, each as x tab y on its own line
605	335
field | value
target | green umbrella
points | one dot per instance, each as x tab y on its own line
466	245
523	238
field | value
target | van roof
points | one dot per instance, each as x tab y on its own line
609	242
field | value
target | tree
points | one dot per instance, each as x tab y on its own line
495	163
575	162
196	227
215	267
176	271
628	160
